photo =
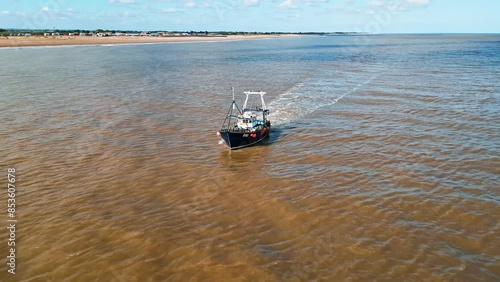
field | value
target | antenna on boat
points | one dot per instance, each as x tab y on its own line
233	96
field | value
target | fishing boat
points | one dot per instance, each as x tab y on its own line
246	126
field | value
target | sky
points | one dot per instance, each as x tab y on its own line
373	16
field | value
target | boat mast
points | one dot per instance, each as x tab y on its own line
233	96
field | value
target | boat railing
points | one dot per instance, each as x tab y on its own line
235	129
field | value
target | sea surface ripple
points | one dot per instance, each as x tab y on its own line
383	162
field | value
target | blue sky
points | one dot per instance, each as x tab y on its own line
376	16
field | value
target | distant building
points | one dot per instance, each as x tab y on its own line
166	33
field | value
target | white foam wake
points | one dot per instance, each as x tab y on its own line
310	95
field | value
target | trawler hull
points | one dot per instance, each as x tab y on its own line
237	139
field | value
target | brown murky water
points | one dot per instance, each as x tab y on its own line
383	163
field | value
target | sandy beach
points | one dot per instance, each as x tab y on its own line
14	41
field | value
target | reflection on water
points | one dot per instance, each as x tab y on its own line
382	163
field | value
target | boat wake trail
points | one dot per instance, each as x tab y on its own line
308	96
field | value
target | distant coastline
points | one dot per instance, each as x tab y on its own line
29	38
22	41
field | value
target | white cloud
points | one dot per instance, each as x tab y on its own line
45	9
287	4
22	14
121	1
419	2
293	4
375	3
354	10
190	4
169	10
4	13
251	3
314	2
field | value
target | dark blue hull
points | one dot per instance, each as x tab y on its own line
236	139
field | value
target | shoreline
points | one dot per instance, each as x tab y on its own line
41	41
